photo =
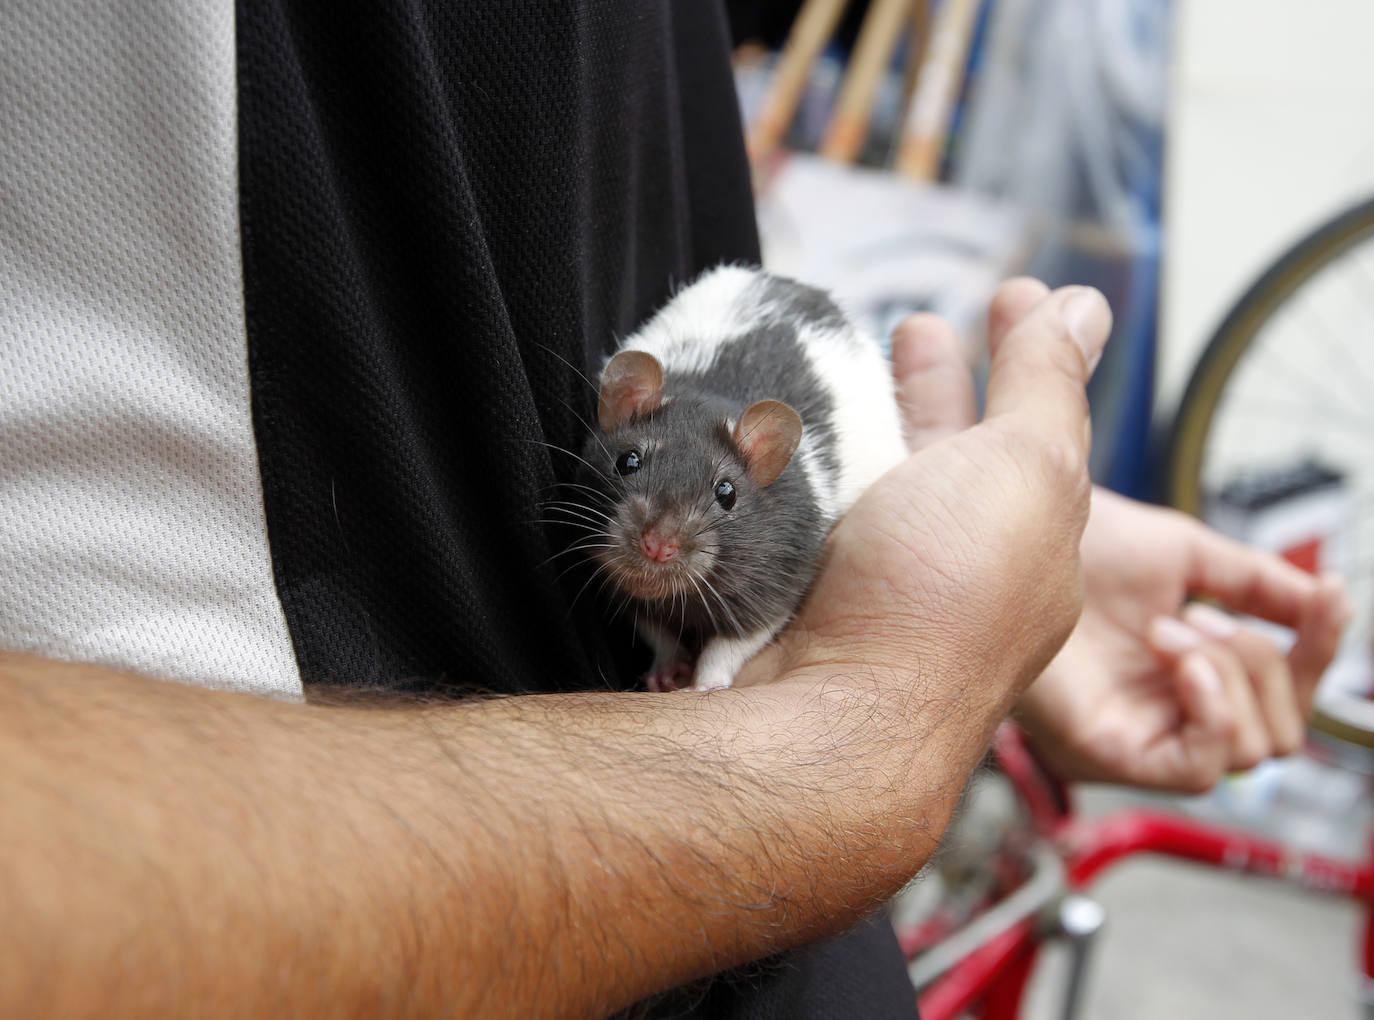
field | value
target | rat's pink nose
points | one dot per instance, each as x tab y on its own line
658	546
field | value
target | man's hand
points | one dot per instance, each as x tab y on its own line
1138	695
955	578
963	560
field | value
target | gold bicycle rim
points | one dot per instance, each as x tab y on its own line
1193	420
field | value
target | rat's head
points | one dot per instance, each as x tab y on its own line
683	478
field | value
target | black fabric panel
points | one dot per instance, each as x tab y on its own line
860	973
440	204
450	211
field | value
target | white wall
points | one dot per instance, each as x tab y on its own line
1271	131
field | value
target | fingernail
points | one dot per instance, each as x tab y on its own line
1089	320
1200	670
1170	635
1211	621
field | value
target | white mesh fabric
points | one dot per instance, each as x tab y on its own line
131	522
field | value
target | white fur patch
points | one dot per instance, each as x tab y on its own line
686	333
867	424
821	480
723	657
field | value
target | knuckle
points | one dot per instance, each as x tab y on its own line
1058	462
1227	729
1065	466
1251	752
1045	356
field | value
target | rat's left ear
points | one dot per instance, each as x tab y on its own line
631	385
767	435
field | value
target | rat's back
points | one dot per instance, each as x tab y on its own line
741	334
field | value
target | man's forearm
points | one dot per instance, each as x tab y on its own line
183	849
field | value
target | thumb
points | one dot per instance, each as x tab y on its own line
1039	368
934	383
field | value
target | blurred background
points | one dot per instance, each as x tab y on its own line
1209	165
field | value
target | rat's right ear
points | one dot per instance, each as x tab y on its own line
631	385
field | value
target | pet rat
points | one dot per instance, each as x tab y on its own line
735	428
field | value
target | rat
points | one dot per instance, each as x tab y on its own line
735	428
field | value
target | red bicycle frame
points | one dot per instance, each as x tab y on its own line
995	961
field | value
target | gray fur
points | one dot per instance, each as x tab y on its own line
768	363
800	303
765	549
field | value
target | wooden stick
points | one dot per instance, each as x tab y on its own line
937	92
917	45
813	28
844	138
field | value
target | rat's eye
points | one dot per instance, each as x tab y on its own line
725	495
627	463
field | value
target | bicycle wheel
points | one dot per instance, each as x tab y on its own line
1273	441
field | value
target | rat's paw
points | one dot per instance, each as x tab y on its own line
723	657
712	680
673	675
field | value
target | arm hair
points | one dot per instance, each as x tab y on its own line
180	851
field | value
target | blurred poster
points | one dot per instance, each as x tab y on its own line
886	246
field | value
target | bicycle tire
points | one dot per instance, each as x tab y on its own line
1224	352
1188	434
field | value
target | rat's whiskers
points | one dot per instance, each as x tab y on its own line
562	449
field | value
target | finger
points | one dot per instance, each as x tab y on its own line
1176	643
1247	580
1040	367
1013	301
1250	743
1319	636
934	382
1271	680
1208	724
1171	639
